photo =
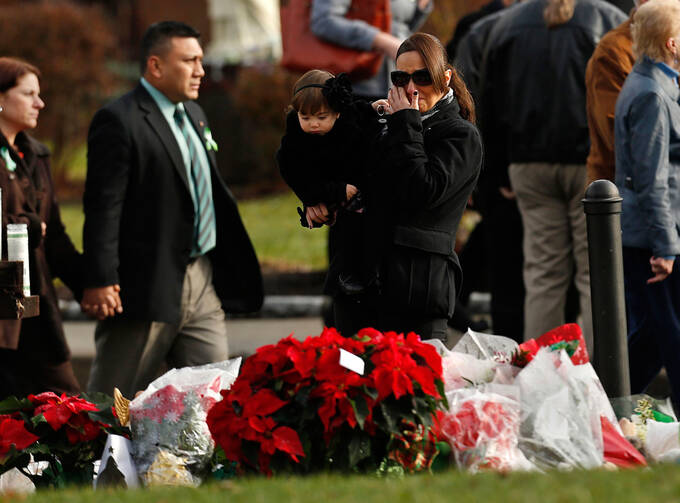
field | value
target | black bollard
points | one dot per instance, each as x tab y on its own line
602	206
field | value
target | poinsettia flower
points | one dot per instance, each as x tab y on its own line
391	371
13	432
82	429
274	356
303	360
369	332
262	403
227	428
426	351
273	437
336	408
57	410
396	370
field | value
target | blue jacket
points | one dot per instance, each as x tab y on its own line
647	145
328	22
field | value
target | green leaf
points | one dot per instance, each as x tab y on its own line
37	450
390	421
424	407
359	448
38	419
442	459
302	396
14	404
440	388
104	415
371	392
360	410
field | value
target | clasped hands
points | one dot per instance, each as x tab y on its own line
102	302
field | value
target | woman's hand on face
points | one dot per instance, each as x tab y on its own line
398	99
351	191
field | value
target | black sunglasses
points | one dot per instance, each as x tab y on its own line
420	78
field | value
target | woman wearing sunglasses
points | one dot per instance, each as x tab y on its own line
426	161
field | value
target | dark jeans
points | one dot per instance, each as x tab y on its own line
354	313
653	312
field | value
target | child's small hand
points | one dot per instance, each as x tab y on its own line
381	107
351	191
318	214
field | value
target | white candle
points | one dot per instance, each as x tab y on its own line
17	249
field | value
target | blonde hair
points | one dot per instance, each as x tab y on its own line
654	23
558	12
311	99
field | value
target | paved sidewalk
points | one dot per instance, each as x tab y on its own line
245	335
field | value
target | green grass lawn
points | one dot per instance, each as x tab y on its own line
274	227
660	484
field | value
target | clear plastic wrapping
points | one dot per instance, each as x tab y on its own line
482	427
560	415
171	441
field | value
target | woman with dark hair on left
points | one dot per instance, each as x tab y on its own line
34	355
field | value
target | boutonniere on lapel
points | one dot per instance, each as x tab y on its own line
210	144
9	162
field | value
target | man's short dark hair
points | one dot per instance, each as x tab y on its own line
157	37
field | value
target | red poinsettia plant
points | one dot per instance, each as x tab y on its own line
294	407
68	432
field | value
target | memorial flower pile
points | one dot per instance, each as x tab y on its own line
65	432
331	402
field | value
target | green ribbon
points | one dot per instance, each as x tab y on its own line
210	144
9	162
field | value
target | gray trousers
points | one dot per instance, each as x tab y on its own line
129	353
555	244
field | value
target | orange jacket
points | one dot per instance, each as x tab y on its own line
607	69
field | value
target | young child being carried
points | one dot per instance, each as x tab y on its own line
321	158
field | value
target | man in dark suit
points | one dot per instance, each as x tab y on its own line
166	252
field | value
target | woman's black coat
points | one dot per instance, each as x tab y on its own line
425	173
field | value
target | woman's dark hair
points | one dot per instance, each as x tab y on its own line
157	37
12	69
433	55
